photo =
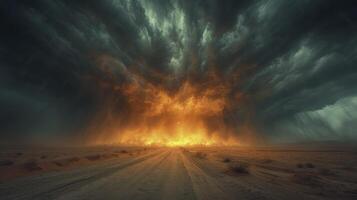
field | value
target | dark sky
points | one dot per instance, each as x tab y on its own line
288	68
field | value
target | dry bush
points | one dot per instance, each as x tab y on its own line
299	165
32	166
226	160
305	178
114	155
93	157
74	159
65	162
266	161
239	168
184	150
58	163
309	165
306	165
326	172
6	162
201	155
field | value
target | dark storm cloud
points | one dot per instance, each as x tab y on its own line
62	61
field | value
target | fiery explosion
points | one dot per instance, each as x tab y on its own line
166	110
192	114
177	119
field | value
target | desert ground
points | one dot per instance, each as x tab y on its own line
178	173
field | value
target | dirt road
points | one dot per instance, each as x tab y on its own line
160	174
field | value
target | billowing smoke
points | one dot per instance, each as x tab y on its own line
150	71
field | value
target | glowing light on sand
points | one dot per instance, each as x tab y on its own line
176	137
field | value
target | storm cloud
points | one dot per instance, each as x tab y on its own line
285	68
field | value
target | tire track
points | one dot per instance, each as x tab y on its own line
204	186
65	181
120	184
177	175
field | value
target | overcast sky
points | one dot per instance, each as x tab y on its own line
288	67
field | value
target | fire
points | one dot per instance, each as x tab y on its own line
179	136
151	108
189	115
178	119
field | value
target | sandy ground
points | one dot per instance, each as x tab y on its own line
178	173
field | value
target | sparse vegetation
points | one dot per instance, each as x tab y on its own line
74	159
299	165
32	166
123	151
239	168
309	165
306	165
59	164
6	162
326	172
226	160
201	155
183	149
306	179
266	161
93	157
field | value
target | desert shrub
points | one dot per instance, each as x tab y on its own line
266	161
309	165
201	155
32	166
326	172
74	159
6	162
183	149
58	163
93	157
226	160
306	179
239	168
299	165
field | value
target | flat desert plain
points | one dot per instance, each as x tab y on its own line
205	173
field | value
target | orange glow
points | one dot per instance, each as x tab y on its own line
189	115
176	119
151	107
179	136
